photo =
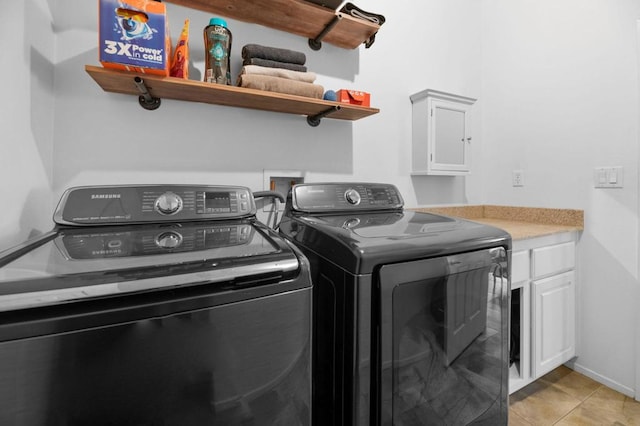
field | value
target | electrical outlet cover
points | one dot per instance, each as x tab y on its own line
517	178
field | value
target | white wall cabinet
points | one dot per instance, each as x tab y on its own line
441	136
543	291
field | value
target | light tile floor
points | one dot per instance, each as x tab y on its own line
567	398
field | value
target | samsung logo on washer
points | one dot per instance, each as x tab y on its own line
104	196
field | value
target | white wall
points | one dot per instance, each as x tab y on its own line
637	335
26	120
560	90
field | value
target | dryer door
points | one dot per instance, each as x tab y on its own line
443	340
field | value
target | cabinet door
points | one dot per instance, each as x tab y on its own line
554	330
441	133
448	137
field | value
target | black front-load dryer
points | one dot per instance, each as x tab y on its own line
410	309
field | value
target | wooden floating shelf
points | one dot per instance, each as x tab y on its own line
116	81
293	16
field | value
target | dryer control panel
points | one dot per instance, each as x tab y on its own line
117	205
340	197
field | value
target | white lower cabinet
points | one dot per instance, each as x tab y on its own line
554	325
543	308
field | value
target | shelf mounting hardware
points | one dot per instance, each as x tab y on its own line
316	43
314	120
145	99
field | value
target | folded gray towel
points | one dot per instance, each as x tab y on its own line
280	85
274	64
250	51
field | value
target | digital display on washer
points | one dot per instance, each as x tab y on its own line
217	202
378	195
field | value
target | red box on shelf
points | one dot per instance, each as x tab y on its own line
354	97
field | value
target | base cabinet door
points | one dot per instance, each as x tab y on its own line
554	327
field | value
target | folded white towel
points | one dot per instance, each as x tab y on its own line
307	77
280	85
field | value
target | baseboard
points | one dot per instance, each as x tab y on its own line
601	379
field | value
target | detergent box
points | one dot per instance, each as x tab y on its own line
354	97
134	36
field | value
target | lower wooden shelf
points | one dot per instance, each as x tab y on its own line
116	81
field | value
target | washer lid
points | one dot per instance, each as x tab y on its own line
80	263
360	242
392	225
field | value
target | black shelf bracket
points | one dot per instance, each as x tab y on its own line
314	120
145	99
316	43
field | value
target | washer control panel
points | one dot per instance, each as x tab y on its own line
111	205
337	197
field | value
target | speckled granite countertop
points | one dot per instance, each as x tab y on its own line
520	222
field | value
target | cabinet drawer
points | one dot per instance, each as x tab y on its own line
519	266
553	259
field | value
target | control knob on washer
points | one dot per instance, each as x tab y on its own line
352	196
168	203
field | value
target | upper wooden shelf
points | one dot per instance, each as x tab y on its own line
293	16
196	91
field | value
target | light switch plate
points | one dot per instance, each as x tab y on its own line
608	177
